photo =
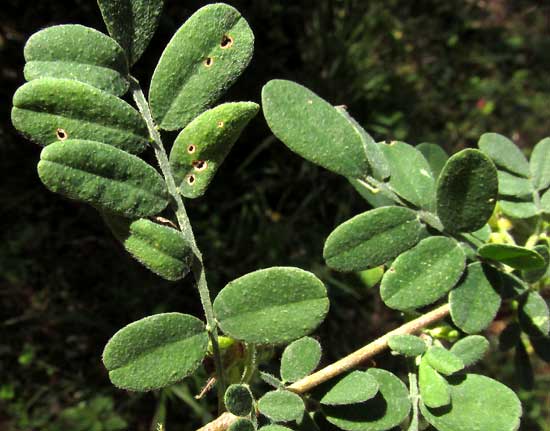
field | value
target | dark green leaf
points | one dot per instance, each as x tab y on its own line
423	274
156	351
443	360
467	191
536	274
519	209
434	389
300	358
372	238
523	368
351	388
478	403
204	58
270	306
509	337
238	400
512	185
408	345
161	249
242	424
202	146
103	176
48	110
411	175
386	410
295	114
475	302
131	23
435	155
471	349
534	315
56	52
541	346
504	153
540	164
281	406
512	255
511	286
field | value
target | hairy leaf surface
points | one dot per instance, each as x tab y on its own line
300	358
504	153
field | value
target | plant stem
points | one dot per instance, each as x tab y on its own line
186	229
345	364
413	395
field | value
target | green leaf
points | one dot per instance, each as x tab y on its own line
156	351
512	185
467	191
540	164
204	58
504	153
271	380
295	114
535	275
375	197
48	110
131	23
423	274
511	286
202	146
351	388
434	389
407	345
386	410
544	202
300	358
372	238
478	403
470	349
475	302
271	306
534	316
161	249
56	52
435	155
103	176
443	360
512	255
274	427
238	400
242	424
519	209
281	406
411	175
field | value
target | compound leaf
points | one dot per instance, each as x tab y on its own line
202	146
281	406
407	345
478	403
467	191
534	315
103	176
384	411
504	153
372	238
161	249
271	306
203	59
512	185
300	358
475	302
56	52
512	255
131	23
47	110
434	389
423	274
351	388
238	400
443	360
540	164
435	155
294	114
156	351
470	349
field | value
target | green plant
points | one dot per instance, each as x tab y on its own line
433	229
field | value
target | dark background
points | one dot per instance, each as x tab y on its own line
428	70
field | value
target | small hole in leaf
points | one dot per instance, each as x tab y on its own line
191	179
200	165
226	42
220	124
61	134
191	149
209	61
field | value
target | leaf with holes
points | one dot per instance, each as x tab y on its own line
407	345
411	175
434	389
435	156
467	191
161	249
103	176
423	274
512	255
56	52
156	351
294	114
540	165
372	238
443	360
386	410
300	358
131	23
475	301
47	110
281	406
350	388
203	59
470	349
513	185
238	400
534	315
478	403
504	153
202	146
271	306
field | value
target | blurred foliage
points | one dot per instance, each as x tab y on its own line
418	71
